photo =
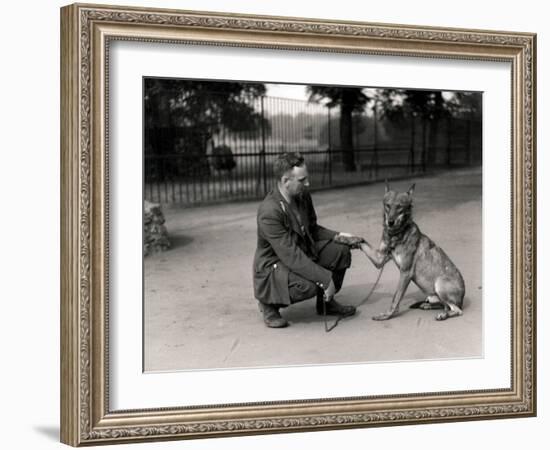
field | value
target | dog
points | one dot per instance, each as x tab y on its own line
418	259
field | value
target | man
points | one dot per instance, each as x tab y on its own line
296	258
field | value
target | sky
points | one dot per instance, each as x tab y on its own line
296	91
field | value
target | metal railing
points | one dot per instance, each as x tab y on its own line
193	169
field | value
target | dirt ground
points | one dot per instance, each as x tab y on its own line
200	312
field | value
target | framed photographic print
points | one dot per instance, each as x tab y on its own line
277	224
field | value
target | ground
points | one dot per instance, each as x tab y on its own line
200	312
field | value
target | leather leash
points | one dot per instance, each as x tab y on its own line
335	324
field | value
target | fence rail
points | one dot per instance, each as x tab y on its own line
193	183
189	168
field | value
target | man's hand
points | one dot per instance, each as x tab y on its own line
348	239
330	291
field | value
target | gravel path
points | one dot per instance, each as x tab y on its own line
200	312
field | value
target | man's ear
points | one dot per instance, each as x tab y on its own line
411	190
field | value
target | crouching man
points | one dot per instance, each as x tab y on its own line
296	259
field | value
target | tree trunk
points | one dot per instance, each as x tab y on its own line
164	141
432	142
424	149
434	129
468	142
346	136
413	143
375	155
449	140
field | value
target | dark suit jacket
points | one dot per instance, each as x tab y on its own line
284	246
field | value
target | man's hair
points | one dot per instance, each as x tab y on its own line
285	162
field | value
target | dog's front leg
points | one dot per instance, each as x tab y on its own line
378	257
404	280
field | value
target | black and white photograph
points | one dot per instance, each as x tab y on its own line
293	225
242	225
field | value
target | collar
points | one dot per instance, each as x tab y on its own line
286	208
287	200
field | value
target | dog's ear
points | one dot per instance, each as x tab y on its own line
387	186
411	190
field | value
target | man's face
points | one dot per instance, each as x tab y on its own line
297	181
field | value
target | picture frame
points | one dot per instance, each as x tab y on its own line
87	31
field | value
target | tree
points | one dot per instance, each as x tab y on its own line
466	106
181	116
396	110
428	106
349	100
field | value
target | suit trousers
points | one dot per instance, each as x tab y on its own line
332	256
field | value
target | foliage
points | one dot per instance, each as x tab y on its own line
430	107
349	100
401	104
352	98
465	104
201	107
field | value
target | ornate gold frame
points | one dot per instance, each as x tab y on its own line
86	31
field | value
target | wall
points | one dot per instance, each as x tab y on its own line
29	328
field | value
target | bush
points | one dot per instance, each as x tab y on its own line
222	158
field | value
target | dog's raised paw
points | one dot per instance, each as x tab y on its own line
350	241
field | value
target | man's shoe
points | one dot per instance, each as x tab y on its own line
272	317
333	308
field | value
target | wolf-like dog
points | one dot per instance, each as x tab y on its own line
418	260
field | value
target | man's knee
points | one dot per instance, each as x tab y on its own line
336	257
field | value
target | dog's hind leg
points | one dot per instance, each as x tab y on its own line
430	302
450	295
451	310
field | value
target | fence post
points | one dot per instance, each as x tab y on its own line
264	163
329	151
468	141
449	139
413	139
375	156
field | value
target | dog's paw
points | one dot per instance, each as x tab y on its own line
383	316
448	314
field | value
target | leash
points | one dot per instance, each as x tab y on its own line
335	324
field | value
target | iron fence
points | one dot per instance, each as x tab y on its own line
218	165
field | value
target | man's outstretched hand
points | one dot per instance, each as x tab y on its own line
348	239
